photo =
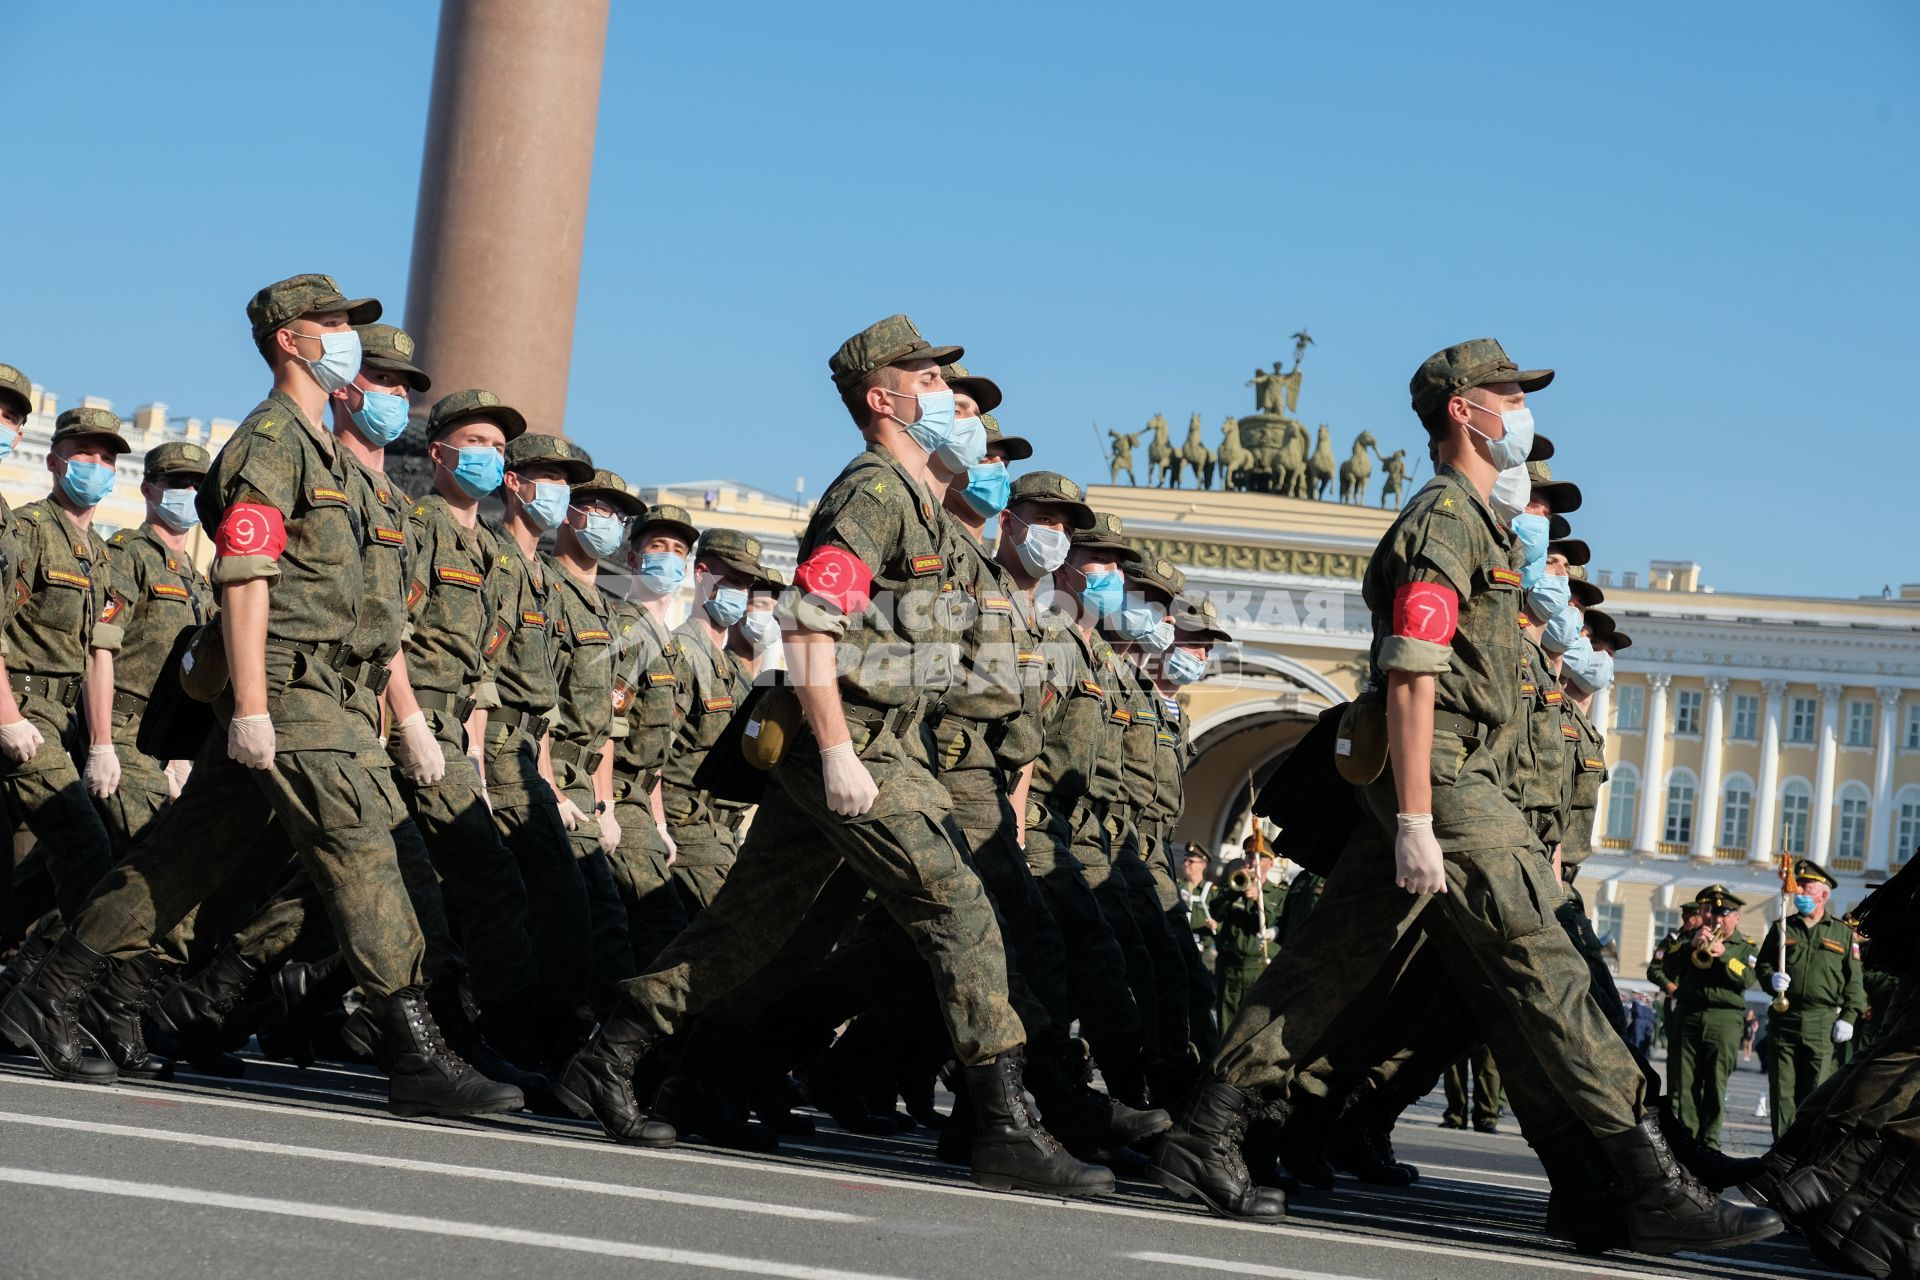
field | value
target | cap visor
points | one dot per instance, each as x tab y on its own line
984	392
1013	448
413	377
1558	530
1574	549
688	534
1585	592
1620	640
1542	450
362	310
1124	553
1533	379
1562	495
626	502
939	355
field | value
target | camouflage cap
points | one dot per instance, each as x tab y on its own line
1586	593
770	579
304	295
450	410
1575	551
1106	534
1602	627
1465	365
1562	496
738	551
610	488
1055	490
389	347
15	386
666	515
1010	448
538	448
88	420
984	392
177	458
1195	619
1805	869
1160	574
890	341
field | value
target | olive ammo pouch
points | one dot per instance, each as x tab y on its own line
177	719
1309	800
727	773
1360	745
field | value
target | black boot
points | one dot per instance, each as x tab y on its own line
1715	1169
1011	1152
1303	1143
831	1085
1667	1210
112	1014
424	1076
464	1038
196	1012
598	1083
1834	1164
1366	1151
1201	1159
26	958
303	996
1075	1111
1586	1201
43	1013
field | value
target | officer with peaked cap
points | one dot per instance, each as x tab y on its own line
1821	985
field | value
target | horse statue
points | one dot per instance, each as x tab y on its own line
1395	483
1357	470
1121	459
1160	473
1290	462
1196	455
1232	457
1320	467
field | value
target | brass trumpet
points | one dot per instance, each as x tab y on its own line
1238	881
1703	944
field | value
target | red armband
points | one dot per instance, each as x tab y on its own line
251	529
1426	611
836	576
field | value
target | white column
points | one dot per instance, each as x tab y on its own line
1706	805
1880	843
1653	782
1822	841
1767	785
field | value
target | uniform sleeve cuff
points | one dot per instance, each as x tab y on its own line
619	729
1415	657
108	636
228	570
818	618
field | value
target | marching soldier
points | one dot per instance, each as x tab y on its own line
1823	986
1711	972
1245	938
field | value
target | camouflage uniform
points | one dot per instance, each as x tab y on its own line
59	592
338	807
1158	818
708	684
645	694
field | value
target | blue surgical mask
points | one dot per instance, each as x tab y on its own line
662	572
548	506
1803	903
988	488
1532	531
1591	670
1511	449
1183	668
339	362
1547	597
934	428
966	447
1512	490
381	417
479	470
1141	623
8	438
603	534
761	627
728	606
1563	631
1043	550
1104	592
86	483
176	510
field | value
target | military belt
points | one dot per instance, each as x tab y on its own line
341	657
131	703
575	754
894	720
64	690
534	726
440	700
1446	721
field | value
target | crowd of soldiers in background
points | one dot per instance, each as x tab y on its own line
446	793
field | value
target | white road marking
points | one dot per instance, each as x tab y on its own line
428	1226
1526	1247
1236	1268
1288	1273
1479	1174
515	1177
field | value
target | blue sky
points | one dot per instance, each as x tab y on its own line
1702	215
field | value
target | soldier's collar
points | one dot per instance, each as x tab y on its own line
320	437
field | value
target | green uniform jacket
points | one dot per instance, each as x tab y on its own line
1238	940
154	594
1586	758
1722	984
448	606
523	648
1823	962
583	668
1541	765
646	689
708	685
61	592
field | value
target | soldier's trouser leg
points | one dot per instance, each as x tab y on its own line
1683	1074
1096	969
338	815
655	915
1203	1019
1486	1086
140	798
1237	979
1800	1056
1142	899
1716	1057
559	923
1093	852
47	795
479	879
610	955
899	848
698	884
1458	1102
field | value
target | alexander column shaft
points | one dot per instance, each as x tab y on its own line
503	198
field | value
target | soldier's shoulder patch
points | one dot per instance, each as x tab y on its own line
1092	687
455	574
996	604
271	428
420	508
922	565
1570	733
389	537
414	592
168	591
113	608
657	678
723	703
532	618
1834	946
119	539
1552	698
1735	967
593	634
1503	577
68	578
34	512
325	493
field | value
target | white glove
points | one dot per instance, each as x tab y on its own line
609	833
1842	1031
20	741
177	772
851	790
418	752
102	773
673	847
1418	865
1780	983
250	740
570	815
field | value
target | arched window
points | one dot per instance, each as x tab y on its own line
1850	831
1680	792
1796	803
1906	825
1623	796
1736	813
